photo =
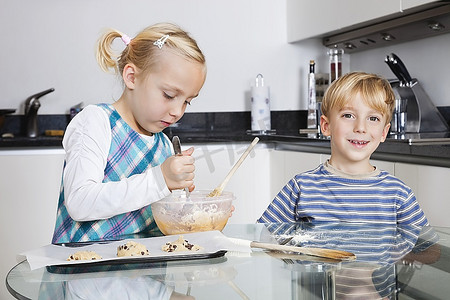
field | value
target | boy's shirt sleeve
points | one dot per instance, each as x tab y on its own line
283	207
410	212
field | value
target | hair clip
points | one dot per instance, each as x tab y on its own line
159	43
125	39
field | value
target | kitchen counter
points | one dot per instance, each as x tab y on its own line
391	150
231	127
22	142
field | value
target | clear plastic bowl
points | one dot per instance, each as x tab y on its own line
176	215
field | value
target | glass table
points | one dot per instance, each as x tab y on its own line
391	263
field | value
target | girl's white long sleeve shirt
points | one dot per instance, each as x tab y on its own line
87	141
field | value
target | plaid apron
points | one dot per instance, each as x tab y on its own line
129	154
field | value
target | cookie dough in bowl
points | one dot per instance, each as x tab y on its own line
176	214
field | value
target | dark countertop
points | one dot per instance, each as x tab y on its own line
21	142
231	127
391	150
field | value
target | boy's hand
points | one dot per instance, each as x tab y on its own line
178	170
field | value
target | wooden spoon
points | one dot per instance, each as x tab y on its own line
320	252
218	190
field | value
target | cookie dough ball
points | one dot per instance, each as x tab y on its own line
180	245
84	255
132	248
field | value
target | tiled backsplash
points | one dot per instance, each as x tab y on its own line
282	121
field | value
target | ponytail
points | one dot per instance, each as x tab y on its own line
142	50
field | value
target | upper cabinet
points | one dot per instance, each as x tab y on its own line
406	4
308	19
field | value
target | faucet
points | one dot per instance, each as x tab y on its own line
32	105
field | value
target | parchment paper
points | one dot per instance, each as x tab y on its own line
52	255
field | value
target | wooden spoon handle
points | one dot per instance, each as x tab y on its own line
218	190
321	252
239	162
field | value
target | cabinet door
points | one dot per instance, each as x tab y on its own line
384	165
307	19
29	189
405	4
432	189
250	184
286	164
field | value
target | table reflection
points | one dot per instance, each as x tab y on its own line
109	288
387	258
374	273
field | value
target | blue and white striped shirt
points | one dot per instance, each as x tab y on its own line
326	194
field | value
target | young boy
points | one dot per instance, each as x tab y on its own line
356	111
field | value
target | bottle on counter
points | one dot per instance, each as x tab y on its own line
260	113
335	63
312	115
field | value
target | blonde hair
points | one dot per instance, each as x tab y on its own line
142	52
375	90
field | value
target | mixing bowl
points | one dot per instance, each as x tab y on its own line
176	214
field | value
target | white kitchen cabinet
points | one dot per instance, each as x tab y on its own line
250	184
286	164
406	4
308	19
29	190
432	189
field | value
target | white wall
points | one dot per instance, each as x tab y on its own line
50	43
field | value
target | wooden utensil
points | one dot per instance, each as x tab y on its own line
218	190
320	252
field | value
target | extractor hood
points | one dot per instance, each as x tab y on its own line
412	24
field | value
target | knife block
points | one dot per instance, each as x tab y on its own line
422	114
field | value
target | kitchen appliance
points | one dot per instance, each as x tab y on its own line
423	21
415	113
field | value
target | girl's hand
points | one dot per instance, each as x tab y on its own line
178	170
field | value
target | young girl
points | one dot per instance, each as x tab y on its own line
117	159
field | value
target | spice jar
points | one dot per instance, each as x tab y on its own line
335	63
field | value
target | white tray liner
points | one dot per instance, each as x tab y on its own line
53	255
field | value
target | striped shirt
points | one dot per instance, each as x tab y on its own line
326	194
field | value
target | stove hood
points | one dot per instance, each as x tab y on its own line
412	24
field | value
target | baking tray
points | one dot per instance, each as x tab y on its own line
136	263
54	257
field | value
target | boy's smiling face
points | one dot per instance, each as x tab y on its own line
356	130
